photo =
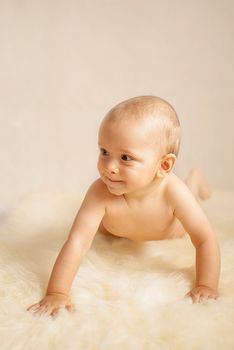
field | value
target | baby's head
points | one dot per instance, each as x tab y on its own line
155	116
139	141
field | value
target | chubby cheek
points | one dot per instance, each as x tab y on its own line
99	166
133	176
142	177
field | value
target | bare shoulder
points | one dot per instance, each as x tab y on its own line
98	191
98	196
91	211
182	200
177	191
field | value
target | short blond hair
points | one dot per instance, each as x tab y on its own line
142	107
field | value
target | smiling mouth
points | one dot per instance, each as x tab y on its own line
113	180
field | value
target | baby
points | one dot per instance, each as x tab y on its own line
138	197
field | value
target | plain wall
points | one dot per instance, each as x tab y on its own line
64	64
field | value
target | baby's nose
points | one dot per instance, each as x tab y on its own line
115	171
112	167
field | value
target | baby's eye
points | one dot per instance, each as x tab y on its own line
103	151
125	157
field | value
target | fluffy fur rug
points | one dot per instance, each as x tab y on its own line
127	295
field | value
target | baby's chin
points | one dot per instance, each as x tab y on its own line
115	191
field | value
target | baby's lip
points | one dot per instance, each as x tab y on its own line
113	180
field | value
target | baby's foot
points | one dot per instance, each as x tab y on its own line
198	184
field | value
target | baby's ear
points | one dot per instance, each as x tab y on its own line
166	164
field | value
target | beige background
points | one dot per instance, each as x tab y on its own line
65	63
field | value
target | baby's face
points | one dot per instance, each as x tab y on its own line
128	157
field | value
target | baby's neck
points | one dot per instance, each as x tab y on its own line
154	189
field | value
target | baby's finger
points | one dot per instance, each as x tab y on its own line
207	295
48	311
70	308
215	296
33	307
41	310
192	296
195	298
212	296
203	299
55	312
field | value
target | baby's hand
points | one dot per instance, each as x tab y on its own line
202	293
51	304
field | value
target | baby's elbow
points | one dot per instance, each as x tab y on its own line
77	246
207	239
202	235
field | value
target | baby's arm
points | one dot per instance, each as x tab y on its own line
196	224
76	246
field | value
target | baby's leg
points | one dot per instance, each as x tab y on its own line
198	185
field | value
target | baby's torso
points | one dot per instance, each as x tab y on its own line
146	220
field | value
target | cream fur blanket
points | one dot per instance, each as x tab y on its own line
127	295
